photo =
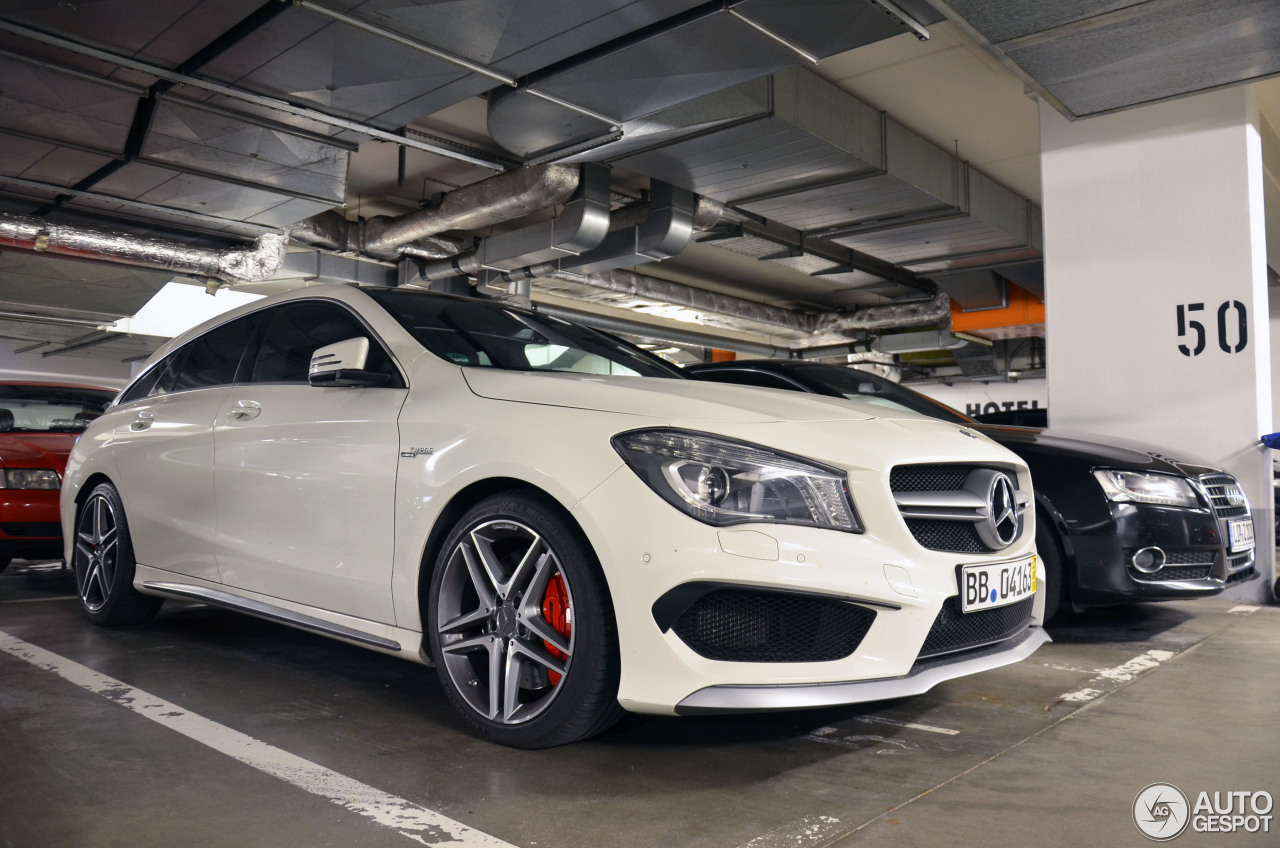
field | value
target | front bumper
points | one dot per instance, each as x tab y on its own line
925	675
657	549
1199	562
30	524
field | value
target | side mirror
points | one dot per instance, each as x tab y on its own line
342	364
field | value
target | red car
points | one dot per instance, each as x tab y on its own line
39	422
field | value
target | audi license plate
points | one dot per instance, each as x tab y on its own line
1241	534
998	585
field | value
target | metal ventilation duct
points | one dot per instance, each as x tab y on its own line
710	47
232	265
796	149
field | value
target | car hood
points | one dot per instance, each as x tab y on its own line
36	450
685	400
1096	450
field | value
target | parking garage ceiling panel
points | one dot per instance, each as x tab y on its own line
1090	57
44	282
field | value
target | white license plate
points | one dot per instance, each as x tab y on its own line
998	585
1241	534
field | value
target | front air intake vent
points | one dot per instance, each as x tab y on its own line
954	630
753	625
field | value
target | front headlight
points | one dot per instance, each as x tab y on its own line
1139	487
31	478
720	481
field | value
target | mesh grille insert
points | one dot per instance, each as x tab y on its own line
1176	572
748	625
1191	557
957	536
955	631
1242	575
929	478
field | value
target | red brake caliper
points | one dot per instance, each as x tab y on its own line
555	611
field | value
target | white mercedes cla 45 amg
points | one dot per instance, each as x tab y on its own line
564	525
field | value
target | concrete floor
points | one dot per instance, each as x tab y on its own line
1051	752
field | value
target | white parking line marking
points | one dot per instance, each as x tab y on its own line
811	830
408	819
928	728
1244	609
1122	673
40	600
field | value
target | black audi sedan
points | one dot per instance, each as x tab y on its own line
1116	522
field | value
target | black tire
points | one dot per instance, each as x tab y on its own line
104	564
493	586
1055	587
4	563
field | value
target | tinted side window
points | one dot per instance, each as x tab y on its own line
748	378
212	359
294	331
158	380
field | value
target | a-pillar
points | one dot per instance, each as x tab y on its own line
1157	323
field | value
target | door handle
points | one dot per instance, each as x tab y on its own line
244	410
143	421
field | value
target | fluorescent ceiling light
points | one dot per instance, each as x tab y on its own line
178	307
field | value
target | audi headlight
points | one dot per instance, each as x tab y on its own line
1138	487
720	481
31	478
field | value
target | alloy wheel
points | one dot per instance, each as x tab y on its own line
97	547
505	621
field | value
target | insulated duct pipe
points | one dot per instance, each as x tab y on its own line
871	318
505	197
502	198
331	231
232	265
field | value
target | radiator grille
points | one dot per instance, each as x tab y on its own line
1223	490
929	478
940	534
956	536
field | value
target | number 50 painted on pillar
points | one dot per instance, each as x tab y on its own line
1187	323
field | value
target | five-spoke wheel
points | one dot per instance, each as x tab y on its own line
104	564
522	632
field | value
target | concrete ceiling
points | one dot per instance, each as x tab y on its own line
213	166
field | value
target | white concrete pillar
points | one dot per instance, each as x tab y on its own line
1153	222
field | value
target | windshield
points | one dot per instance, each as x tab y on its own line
50	409
868	388
495	335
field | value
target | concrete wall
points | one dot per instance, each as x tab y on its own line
1154	215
